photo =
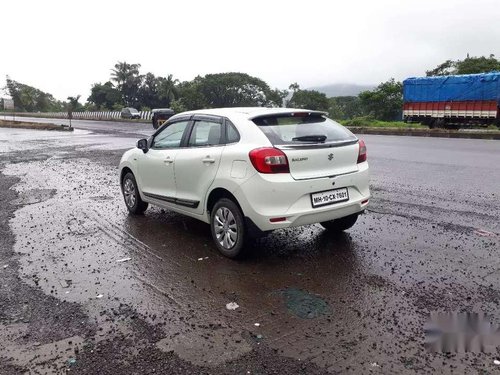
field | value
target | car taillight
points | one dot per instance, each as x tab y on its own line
269	160
362	151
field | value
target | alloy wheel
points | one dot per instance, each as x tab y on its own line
226	228
129	192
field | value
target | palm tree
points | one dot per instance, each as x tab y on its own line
168	89
127	80
123	71
73	102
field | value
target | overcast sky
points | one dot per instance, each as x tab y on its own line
62	47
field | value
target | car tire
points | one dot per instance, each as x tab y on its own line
339	225
227	225
131	195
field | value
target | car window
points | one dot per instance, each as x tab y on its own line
232	133
205	133
302	128
171	136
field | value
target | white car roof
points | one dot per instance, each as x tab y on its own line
247	112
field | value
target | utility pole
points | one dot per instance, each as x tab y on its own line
70	114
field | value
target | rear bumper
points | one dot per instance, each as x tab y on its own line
264	197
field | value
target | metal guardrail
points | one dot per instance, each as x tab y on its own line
97	115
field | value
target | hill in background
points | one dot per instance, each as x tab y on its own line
342	89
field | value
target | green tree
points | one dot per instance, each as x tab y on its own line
294	87
345	107
157	92
128	81
481	64
104	96
277	97
384	102
309	99
444	69
177	106
30	99
73	104
236	90
148	95
168	90
190	96
470	65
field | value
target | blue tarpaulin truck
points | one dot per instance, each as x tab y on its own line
452	101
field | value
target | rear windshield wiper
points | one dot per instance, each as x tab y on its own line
311	138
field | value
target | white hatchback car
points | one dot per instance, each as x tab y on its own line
248	171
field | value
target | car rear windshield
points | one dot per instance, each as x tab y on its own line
302	128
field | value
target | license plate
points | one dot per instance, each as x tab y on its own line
324	198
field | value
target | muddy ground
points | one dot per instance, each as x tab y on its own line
309	302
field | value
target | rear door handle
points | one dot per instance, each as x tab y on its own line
168	161
208	159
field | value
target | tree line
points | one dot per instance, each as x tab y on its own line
127	87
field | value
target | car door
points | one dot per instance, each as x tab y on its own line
156	167
196	165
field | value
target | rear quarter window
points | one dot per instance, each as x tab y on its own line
232	134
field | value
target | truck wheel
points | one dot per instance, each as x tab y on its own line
228	228
339	225
439	123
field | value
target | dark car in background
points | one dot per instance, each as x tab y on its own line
160	115
130	113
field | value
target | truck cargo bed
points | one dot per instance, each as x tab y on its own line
459	99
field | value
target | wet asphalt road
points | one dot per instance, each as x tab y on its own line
308	302
126	128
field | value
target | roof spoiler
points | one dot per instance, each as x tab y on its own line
291	113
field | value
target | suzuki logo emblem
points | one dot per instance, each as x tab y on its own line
330	157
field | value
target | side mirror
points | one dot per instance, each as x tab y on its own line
142	144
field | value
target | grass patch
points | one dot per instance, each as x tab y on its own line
372	123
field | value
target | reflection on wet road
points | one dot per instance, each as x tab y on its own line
357	301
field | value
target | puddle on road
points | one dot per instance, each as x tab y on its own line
303	304
33	196
220	346
12	140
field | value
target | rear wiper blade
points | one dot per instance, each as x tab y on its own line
310	138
